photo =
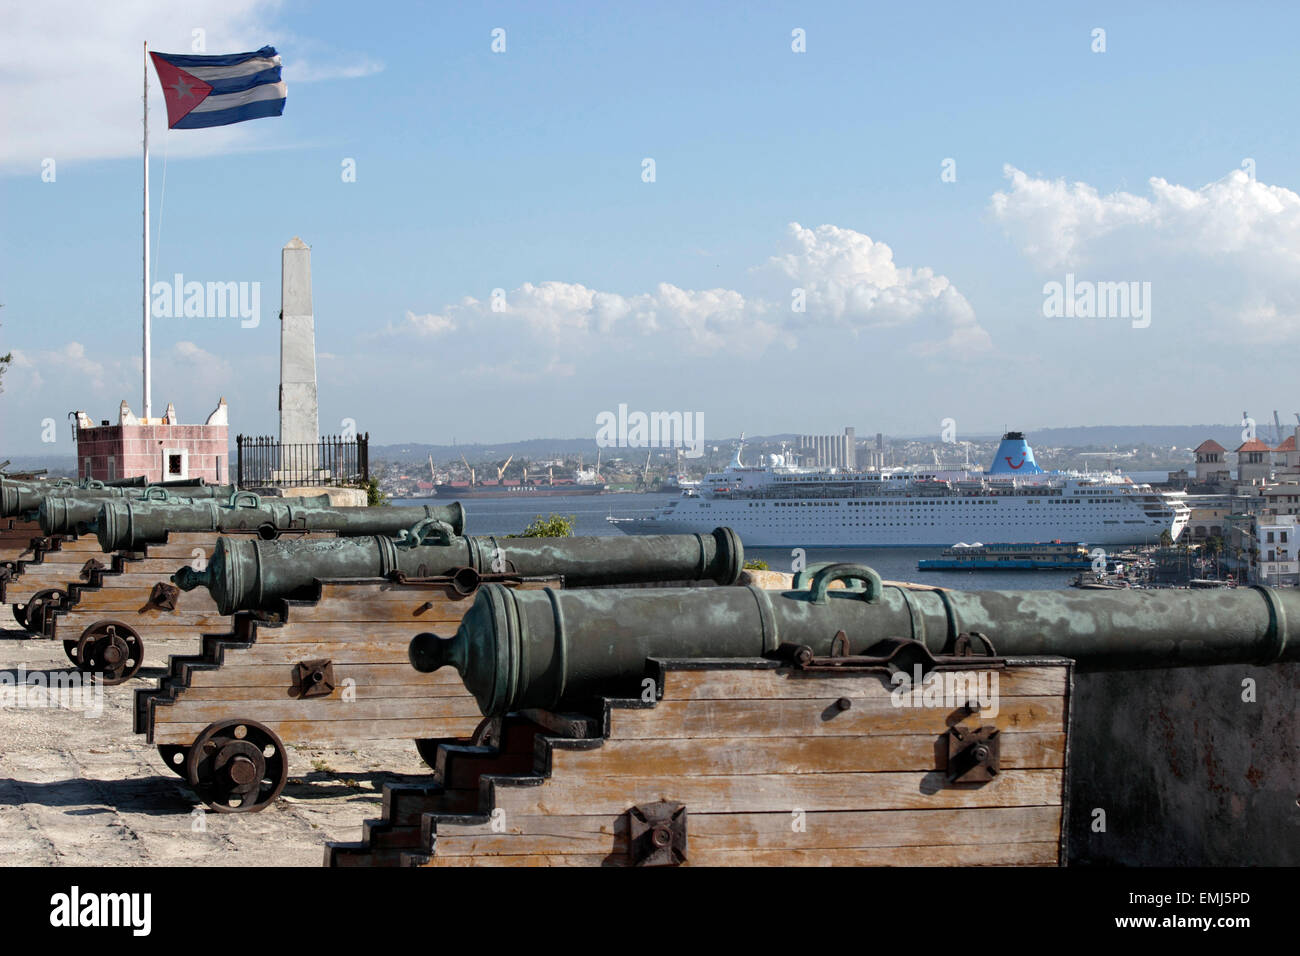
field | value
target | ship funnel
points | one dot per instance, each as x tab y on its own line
1014	457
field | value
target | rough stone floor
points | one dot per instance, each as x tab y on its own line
80	789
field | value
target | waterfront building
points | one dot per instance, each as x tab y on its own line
1275	560
160	449
1211	466
1254	462
830	451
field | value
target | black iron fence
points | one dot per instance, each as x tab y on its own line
264	462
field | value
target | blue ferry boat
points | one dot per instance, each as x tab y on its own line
1051	556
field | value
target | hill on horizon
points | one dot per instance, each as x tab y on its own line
1084	436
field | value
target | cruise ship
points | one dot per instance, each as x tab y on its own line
778	505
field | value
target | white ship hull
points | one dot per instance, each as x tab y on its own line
1016	501
911	522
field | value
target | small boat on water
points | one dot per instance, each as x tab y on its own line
1094	581
1050	556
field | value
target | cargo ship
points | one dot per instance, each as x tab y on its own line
1052	556
584	482
515	489
774	504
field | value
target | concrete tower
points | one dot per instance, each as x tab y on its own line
299	417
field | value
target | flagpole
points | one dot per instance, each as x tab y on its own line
148	398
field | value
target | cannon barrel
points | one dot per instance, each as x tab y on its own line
125	524
18	498
65	514
548	649
140	481
250	574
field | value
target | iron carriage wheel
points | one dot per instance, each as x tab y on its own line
486	734
175	757
110	649
32	614
237	766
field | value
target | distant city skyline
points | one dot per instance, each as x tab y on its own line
885	218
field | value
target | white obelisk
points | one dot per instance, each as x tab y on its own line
299	416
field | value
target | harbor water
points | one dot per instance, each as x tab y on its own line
510	516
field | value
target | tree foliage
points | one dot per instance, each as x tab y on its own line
556	526
374	497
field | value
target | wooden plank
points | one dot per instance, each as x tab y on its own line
386	601
347	631
333	733
411	690
260	675
193	602
382	607
180	551
196	622
406	804
760	831
821	716
1017	854
82	544
322	709
782	793
144	583
149	632
736	755
21	589
360	650
66	557
1035	681
162	567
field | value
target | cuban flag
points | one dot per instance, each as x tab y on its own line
219	90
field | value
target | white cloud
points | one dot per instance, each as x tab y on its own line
199	366
852	282
24	372
313	71
424	325
1055	222
29	369
71	72
1228	251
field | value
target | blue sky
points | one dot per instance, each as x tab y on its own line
522	171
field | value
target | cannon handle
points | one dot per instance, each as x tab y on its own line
415	537
254	499
150	496
821	581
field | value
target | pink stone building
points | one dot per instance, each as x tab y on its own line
161	449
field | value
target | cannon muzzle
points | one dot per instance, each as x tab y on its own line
518	649
65	514
249	574
19	498
130	525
